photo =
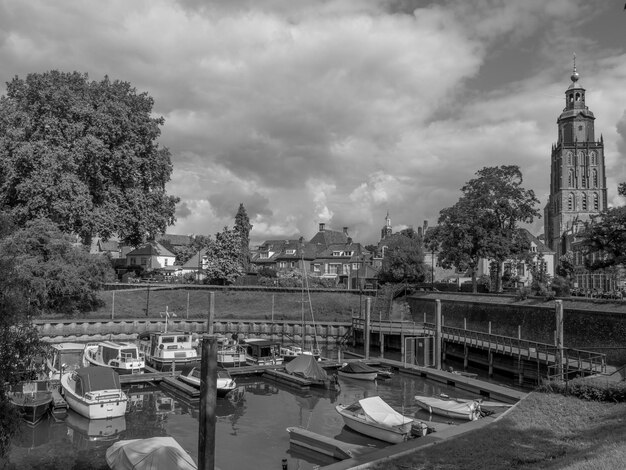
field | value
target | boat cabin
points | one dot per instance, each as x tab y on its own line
66	356
160	348
262	352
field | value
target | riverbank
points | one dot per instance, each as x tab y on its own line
543	431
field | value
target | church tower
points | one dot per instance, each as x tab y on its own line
386	230
577	175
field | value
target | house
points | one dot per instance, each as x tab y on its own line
110	248
150	256
542	258
196	265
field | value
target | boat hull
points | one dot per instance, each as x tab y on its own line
34	411
224	386
393	435
358	375
100	404
468	411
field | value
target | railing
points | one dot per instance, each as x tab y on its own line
566	359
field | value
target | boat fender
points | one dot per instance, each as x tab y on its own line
160	346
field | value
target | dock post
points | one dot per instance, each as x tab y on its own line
490	363
381	335
465	356
366	330
211	313
438	337
208	402
559	337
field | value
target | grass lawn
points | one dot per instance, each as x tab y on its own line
544	431
249	305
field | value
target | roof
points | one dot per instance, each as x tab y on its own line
195	261
96	378
151	249
541	247
328	237
175	240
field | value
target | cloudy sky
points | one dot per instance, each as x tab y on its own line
338	111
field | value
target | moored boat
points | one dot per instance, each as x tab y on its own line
230	353
33	398
225	383
358	370
123	357
375	418
167	350
308	368
64	357
262	352
155	453
94	392
449	407
290	351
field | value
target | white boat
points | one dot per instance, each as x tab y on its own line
230	353
167	350
124	358
358	370
94	392
154	453
225	383
290	351
262	352
375	418
64	357
458	409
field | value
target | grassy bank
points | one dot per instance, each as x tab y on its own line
544	431
194	303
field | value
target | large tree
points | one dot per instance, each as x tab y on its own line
404	258
243	227
606	236
85	155
223	257
495	203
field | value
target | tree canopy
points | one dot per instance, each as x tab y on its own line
404	258
243	228
84	154
485	221
223	257
606	235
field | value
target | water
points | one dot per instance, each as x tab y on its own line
250	429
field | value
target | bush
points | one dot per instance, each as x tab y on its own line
589	389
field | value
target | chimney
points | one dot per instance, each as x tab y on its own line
322	225
425	226
345	231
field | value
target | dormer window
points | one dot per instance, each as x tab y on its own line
290	252
337	253
263	255
348	253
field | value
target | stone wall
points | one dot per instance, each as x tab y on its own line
591	330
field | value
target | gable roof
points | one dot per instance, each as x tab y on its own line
328	237
195	261
151	249
541	247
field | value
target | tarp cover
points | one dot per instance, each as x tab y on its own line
382	413
155	453
357	368
307	366
98	378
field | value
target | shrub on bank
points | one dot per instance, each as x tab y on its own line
589	389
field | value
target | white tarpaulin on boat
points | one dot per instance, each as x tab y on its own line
381	412
155	453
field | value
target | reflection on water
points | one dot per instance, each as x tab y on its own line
251	424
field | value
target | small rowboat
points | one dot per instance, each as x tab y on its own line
458	409
358	370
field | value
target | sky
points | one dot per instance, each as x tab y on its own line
339	111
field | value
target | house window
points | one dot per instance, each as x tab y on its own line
334	268
263	255
336	253
355	266
316	268
144	261
346	269
282	264
133	261
520	269
293	264
348	253
290	252
166	262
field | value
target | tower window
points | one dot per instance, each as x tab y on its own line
570	202
584	202
570	178
595	202
595	178
577	96
584	180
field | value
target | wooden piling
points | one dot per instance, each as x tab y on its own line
211	313
559	337
208	402
438	335
366	332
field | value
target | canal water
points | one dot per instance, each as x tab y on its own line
250	430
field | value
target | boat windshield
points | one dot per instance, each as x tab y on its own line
128	353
